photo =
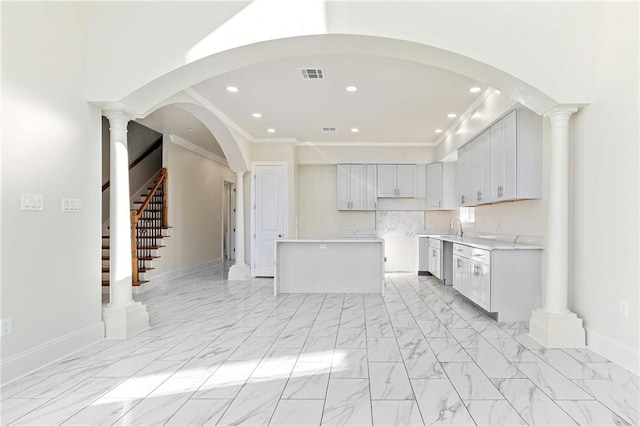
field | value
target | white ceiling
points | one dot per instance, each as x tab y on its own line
397	102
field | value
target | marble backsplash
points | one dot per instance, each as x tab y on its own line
399	223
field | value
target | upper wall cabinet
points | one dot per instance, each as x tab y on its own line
441	186
356	187
396	180
516	156
504	163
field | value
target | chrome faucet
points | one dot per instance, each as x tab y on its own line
459	223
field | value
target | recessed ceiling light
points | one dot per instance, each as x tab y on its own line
352	88
439	130
475	89
232	89
256	115
271	130
452	115
355	130
190	129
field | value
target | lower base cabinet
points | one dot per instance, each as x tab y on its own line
461	274
503	282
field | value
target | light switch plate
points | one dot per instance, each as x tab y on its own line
72	205
33	202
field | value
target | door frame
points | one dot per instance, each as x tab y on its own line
231	210
252	205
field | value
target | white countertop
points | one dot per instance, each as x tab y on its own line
335	240
484	243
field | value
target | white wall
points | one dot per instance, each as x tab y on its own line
606	186
318	216
50	260
366	154
195	213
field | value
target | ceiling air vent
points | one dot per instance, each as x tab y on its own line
312	73
328	129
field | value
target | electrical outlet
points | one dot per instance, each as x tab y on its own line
6	327
624	309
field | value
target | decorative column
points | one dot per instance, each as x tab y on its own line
239	270
554	325
123	317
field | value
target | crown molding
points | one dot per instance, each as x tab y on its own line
367	144
177	140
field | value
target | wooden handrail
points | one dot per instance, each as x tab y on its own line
137	215
159	181
157	144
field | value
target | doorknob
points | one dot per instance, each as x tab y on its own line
280	235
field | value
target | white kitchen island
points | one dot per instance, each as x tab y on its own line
329	266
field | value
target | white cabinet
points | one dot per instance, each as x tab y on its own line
504	163
370	193
461	270
516	155
503	158
481	176
396	180
465	175
435	257
354	190
461	274
441	186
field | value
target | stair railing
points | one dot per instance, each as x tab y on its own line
145	222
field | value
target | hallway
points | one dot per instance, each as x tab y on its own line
230	353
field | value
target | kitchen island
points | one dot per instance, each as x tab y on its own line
349	265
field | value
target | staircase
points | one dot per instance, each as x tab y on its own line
148	230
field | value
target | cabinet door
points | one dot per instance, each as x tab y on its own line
509	139
434	186
474	282
344	180
464	275
435	262
476	180
503	158
484	286
386	180
406	180
357	186
370	195
485	161
457	274
463	175
497	162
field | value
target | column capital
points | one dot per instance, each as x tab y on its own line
117	114
561	112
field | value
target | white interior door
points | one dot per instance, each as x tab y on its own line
269	216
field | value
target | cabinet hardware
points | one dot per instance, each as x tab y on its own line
479	195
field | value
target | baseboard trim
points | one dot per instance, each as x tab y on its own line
36	358
178	272
620	353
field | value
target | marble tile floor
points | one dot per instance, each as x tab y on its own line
227	353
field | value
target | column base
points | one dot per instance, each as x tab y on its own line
557	330
239	272
124	322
